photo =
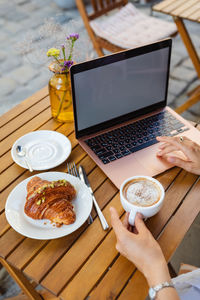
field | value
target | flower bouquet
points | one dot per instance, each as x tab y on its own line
59	84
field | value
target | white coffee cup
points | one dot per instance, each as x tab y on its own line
146	211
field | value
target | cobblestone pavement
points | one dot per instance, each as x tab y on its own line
19	78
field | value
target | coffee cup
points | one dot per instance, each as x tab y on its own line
141	194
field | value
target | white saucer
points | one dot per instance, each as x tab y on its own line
46	149
43	229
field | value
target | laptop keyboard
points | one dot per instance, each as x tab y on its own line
133	137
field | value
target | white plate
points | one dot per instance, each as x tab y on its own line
37	229
46	149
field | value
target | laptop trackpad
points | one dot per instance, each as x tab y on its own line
148	158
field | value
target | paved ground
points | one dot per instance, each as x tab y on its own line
21	76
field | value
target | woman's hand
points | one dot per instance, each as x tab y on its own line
190	149
140	248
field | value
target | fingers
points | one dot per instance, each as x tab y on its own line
187	165
125	221
184	146
170	138
165	150
115	221
139	223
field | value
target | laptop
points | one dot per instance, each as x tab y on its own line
120	106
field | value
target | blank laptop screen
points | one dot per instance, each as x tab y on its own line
116	89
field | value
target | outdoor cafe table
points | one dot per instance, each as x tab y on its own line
86	262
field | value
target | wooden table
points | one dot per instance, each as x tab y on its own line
86	262
182	10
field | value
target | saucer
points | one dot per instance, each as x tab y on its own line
45	149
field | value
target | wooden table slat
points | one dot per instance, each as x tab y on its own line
195	16
187	13
24	117
163	4
26	104
114	280
51	254
25	252
9	241
173	6
180	222
32	125
184	7
92	270
79	252
167	177
137	286
180	188
4	226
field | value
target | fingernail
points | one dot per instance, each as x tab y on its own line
159	153
171	159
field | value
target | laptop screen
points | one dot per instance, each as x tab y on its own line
113	89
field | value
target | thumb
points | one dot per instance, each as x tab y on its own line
139	223
179	162
115	221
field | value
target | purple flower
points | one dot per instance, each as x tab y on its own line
63	46
73	36
68	63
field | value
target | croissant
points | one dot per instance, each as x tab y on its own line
50	200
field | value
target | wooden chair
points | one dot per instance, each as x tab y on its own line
101	8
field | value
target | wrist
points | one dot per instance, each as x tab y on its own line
157	273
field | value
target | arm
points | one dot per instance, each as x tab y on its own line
191	150
142	249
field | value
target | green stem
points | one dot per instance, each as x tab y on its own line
63	50
57	61
71	51
61	103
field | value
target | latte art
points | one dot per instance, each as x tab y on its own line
142	192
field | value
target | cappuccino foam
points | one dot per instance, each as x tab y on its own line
142	193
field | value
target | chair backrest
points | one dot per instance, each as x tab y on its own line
101	7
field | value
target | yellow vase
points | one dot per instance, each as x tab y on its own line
61	97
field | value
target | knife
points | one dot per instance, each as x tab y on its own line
84	178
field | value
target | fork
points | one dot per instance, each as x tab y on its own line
72	170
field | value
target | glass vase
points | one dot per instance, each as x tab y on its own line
61	97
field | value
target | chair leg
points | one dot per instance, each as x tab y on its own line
188	44
98	49
191	101
193	91
22	281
